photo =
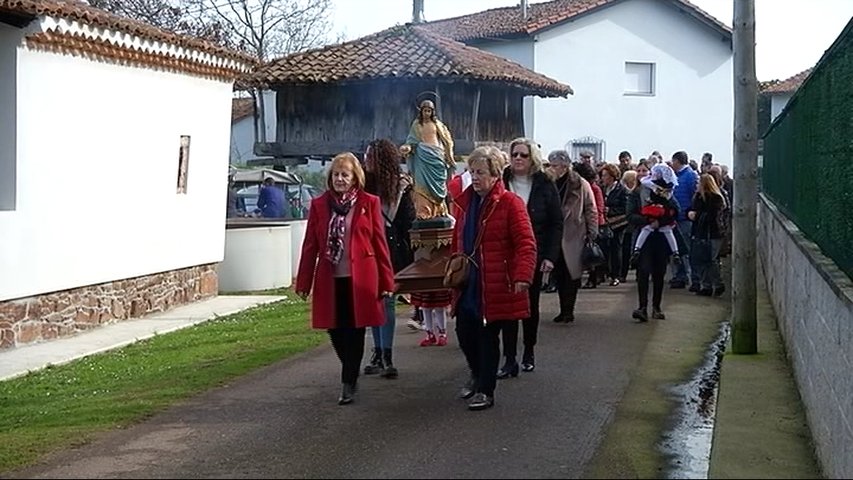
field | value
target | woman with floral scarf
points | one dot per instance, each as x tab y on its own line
345	261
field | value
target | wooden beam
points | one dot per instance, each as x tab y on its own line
304	149
438	112
277	162
332	148
475	116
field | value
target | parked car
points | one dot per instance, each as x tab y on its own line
247	184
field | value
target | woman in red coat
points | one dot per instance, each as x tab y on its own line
345	260
495	291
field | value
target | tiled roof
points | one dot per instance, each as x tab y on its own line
241	108
508	21
789	85
402	52
763	85
74	27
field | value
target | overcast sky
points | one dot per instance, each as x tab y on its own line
791	35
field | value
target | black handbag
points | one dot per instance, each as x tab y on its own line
592	255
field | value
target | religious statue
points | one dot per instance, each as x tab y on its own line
429	156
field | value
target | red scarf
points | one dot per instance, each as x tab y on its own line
341	205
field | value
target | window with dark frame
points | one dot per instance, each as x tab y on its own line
183	163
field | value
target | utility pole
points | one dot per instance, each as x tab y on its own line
744	314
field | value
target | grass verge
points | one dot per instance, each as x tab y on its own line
67	405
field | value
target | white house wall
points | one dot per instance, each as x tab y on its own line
691	110
777	103
97	163
242	140
243	131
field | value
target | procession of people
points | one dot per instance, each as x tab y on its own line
522	224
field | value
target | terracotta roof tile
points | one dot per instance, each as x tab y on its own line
402	52
72	10
508	21
241	108
789	85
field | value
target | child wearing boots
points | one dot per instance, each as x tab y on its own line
433	307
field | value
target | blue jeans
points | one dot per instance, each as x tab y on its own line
383	337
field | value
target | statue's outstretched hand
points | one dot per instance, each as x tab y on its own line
405	150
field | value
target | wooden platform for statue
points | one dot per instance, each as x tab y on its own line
431	241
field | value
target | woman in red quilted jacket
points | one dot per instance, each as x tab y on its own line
502	270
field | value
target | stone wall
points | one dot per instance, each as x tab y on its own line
67	312
813	301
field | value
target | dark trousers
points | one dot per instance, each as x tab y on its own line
347	340
628	239
654	258
567	288
481	346
614	253
530	325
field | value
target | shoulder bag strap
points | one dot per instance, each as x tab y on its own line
482	229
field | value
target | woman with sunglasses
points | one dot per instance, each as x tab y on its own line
525	177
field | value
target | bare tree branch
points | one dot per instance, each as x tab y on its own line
268	28
265	28
165	14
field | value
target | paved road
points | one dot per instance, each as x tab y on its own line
283	421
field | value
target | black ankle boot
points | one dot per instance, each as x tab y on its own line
469	389
375	365
390	371
347	394
510	369
528	361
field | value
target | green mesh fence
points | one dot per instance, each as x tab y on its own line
808	155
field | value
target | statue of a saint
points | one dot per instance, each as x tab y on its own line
429	156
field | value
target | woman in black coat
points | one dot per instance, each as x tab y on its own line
706	213
385	180
655	253
525	177
615	201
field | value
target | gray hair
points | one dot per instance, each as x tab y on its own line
559	156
